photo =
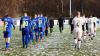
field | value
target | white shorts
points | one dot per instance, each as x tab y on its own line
91	30
77	33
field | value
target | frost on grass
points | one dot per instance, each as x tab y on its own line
56	44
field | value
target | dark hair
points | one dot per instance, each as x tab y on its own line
6	16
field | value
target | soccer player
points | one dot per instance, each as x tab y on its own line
71	25
61	22
41	27
31	36
77	22
25	28
87	27
34	24
91	27
46	26
8	25
51	24
84	27
95	25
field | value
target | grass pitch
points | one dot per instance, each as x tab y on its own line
55	44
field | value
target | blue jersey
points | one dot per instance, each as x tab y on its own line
25	22
8	23
34	23
41	22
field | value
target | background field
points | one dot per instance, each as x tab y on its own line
56	44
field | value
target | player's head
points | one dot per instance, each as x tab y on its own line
41	15
6	16
35	16
78	14
25	14
91	16
83	15
46	17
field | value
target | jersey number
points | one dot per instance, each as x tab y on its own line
6	24
40	21
25	23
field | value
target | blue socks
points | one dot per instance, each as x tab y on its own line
7	45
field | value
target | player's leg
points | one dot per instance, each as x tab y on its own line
62	26
23	41
42	34
23	38
75	37
31	36
6	42
36	34
60	29
79	38
83	33
27	37
92	33
94	29
39	33
46	31
50	30
75	41
5	39
26	40
89	31
87	28
72	27
9	35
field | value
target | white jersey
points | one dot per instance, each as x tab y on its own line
84	20
90	22
95	21
91	25
87	20
77	22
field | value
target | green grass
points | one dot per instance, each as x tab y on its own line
55	44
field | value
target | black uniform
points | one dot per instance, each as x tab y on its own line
51	24
71	25
61	22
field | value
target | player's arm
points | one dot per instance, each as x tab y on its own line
95	23
3	23
20	27
64	19
72	23
48	23
13	24
58	22
31	25
45	22
3	28
53	22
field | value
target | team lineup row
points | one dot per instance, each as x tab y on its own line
32	29
36	28
83	28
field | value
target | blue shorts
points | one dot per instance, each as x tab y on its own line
40	29
35	30
7	34
25	31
